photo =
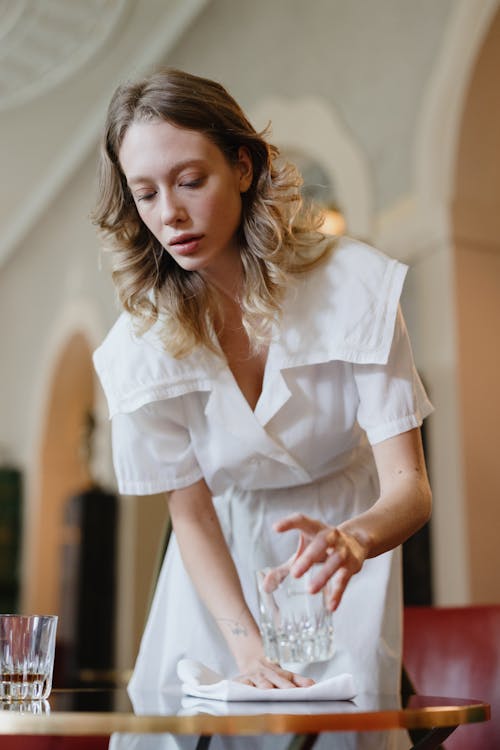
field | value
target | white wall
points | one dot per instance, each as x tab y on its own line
51	281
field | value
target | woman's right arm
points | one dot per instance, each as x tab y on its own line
209	564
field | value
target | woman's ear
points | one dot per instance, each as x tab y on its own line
245	168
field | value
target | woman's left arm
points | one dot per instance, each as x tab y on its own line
403	506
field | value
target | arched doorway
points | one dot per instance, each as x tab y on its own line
62	470
476	254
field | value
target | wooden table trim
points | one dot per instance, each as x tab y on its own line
101	723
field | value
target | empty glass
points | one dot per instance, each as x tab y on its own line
27	646
296	626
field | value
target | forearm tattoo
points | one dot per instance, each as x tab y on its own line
235	626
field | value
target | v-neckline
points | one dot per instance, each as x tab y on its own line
239	358
252	409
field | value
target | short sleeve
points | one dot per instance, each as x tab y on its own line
392	398
152	449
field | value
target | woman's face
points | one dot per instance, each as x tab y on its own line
186	192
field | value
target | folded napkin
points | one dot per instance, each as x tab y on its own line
191	706
202	682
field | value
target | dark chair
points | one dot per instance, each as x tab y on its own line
455	651
49	742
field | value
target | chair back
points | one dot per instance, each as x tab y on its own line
455	651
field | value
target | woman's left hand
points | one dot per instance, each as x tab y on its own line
341	553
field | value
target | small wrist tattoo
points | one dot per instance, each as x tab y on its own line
236	627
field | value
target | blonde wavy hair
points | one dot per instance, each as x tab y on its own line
277	237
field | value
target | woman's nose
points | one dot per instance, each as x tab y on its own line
172	209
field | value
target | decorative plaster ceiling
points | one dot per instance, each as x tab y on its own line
59	62
44	42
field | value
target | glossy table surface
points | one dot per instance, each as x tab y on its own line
103	712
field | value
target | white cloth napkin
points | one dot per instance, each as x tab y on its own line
202	682
191	706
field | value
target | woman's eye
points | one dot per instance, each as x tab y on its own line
193	183
145	197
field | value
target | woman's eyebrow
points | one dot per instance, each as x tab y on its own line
171	173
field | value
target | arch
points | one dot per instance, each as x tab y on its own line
475	229
66	388
438	128
419	223
65	383
61	469
419	230
311	126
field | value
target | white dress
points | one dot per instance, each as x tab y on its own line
339	377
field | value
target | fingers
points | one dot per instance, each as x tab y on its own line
273	578
281	678
299	521
336	560
243	679
338	555
316	551
254	681
277	575
337	588
300	548
331	567
268	676
301	681
259	681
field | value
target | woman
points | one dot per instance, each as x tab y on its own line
261	375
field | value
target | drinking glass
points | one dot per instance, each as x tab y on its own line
27	647
296	626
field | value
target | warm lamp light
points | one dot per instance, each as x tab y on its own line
334	221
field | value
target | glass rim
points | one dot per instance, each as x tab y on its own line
9	616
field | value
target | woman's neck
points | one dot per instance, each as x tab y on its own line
227	277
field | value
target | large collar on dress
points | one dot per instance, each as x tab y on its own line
344	309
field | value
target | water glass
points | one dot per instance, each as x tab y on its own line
27	647
296	626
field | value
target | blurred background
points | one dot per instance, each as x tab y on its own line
392	110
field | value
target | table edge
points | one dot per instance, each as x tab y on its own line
101	723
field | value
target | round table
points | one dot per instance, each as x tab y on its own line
104	712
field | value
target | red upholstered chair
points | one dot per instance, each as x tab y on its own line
41	742
455	651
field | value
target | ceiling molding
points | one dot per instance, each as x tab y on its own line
166	31
44	43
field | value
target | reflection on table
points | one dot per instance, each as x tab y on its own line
174	703
389	740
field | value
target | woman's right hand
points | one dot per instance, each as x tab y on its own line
262	673
340	554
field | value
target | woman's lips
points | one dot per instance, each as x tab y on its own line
185	246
